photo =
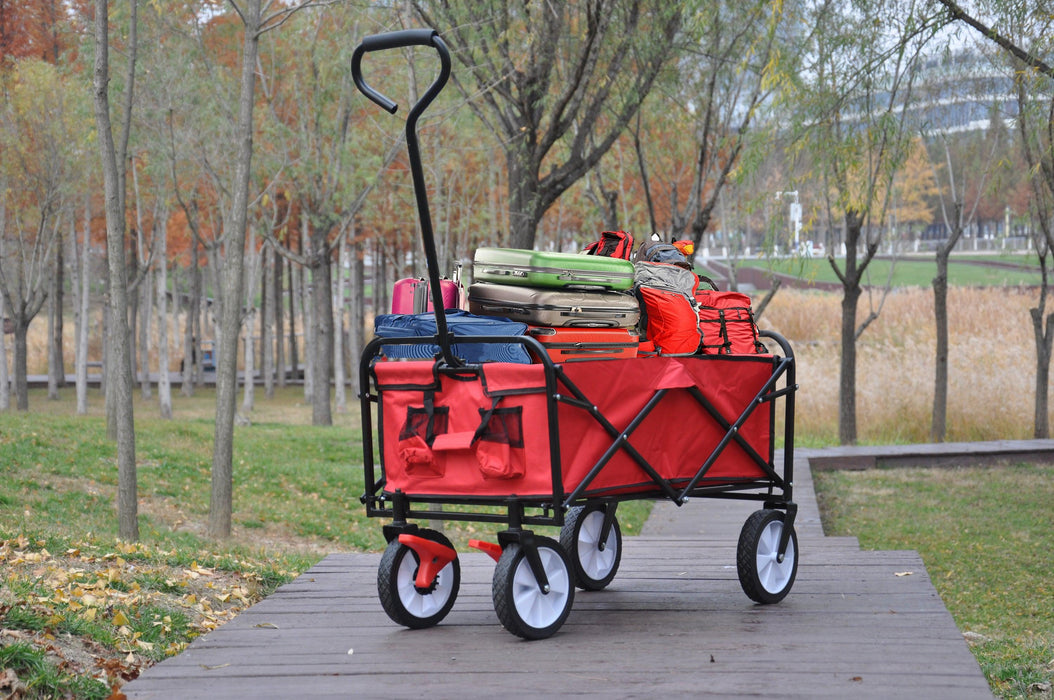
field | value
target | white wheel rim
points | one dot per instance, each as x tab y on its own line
774	575
418	604
540	610
596	562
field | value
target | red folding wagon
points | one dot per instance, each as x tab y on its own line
557	444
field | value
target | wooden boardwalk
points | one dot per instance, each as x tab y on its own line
674	622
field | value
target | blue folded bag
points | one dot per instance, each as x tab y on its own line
460	323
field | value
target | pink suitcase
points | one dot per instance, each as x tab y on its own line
413	296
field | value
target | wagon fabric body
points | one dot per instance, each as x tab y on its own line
498	434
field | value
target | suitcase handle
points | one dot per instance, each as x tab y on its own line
392	40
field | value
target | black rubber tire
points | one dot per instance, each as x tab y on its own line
405	603
764	579
594	566
522	608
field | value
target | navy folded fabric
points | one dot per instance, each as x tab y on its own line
461	324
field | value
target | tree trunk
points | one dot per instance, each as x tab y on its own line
339	378
524	208
133	316
119	374
850	278
54	325
294	292
21	355
5	379
146	303
938	426
249	385
254	261
279	319
321	344
847	370
358	311
1044	337
221	500
1044	340
56	361
267	319
83	306
306	309
164	385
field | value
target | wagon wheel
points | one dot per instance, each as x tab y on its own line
594	562
764	578
522	606
403	600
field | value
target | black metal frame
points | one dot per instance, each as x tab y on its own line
775	489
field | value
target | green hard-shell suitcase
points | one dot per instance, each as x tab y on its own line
534	268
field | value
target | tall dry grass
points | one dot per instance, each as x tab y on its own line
992	364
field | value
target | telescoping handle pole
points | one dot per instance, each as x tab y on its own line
392	40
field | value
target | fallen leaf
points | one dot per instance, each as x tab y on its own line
267	625
904	573
213	668
857	679
120	619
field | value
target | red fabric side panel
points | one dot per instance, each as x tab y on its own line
679	435
411	466
676	438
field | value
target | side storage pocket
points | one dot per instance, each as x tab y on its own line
499	450
417	436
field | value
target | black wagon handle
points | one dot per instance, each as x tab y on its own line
394	40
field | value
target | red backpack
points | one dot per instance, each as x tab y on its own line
612	244
727	322
668	315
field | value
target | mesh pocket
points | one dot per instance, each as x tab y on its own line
505	425
425	423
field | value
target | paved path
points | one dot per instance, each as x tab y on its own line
674	623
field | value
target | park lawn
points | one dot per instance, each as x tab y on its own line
986	537
914	272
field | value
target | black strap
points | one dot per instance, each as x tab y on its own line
485	420
430	428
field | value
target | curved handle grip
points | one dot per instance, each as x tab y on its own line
415	37
394	40
390	40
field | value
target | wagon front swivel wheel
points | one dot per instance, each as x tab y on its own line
764	576
595	558
524	606
407	603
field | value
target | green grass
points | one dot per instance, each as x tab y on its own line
986	537
43	678
914	271
290	481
